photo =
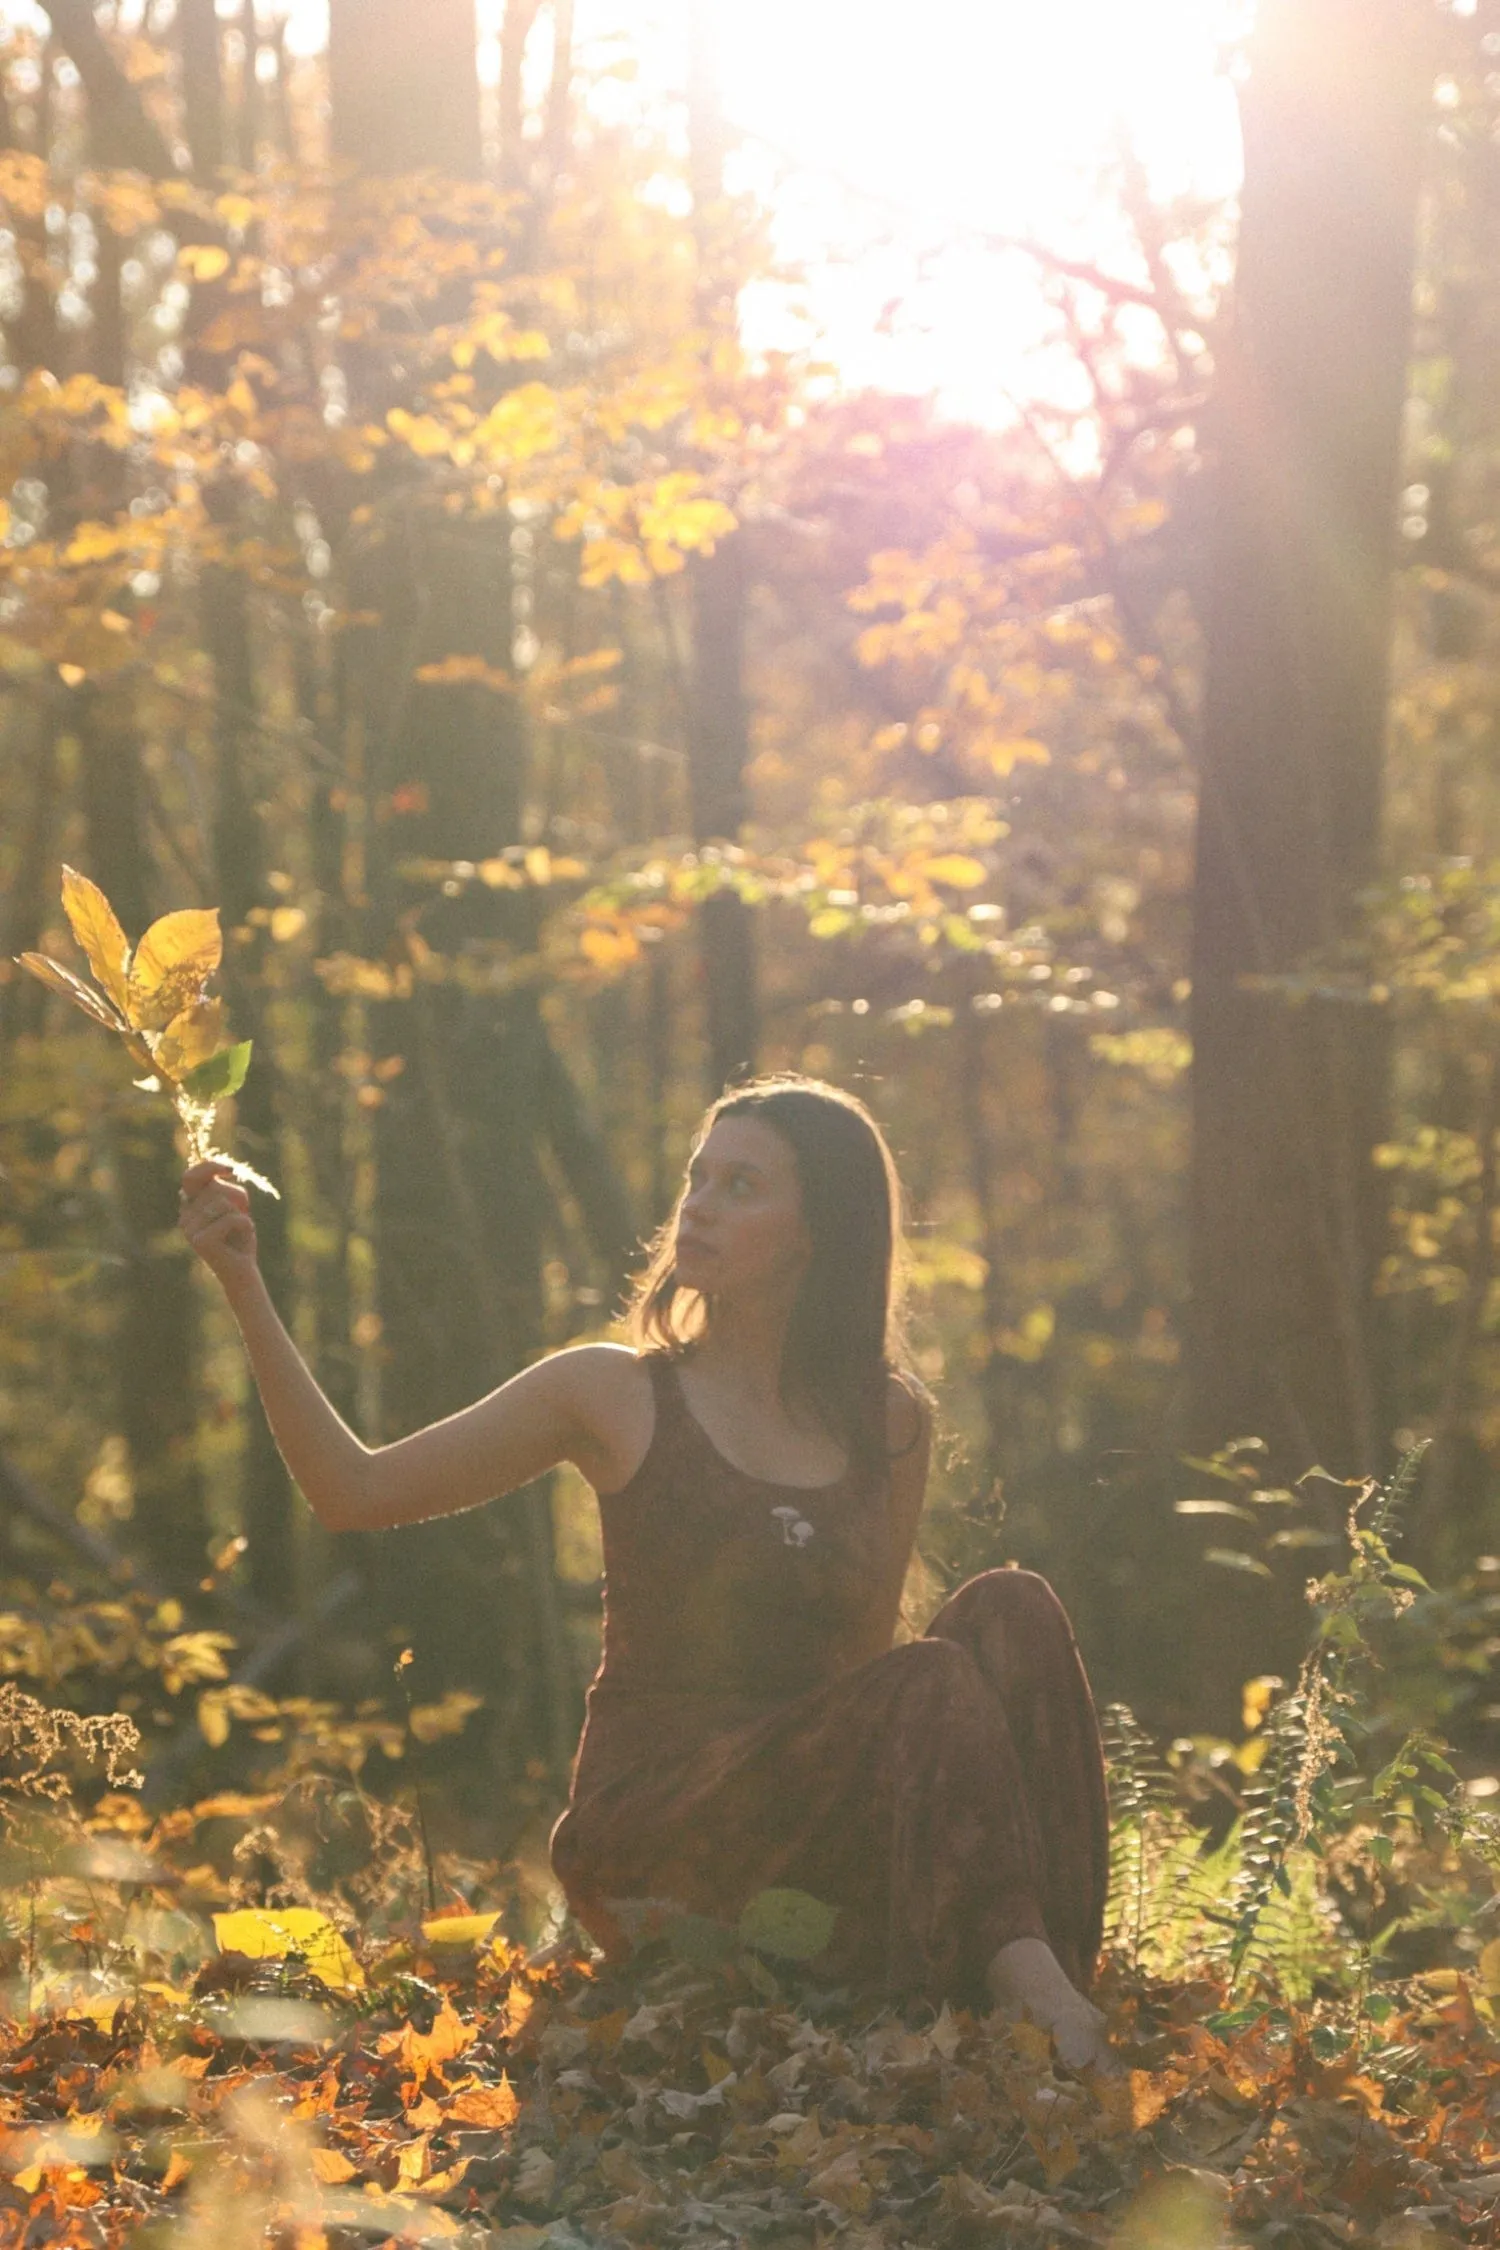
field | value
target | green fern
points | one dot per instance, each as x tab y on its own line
1163	1884
1259	1906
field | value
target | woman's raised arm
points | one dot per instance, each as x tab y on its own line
577	1406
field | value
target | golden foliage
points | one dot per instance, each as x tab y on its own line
155	1000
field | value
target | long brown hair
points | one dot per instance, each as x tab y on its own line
845	1333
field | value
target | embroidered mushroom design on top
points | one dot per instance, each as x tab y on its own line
795	1529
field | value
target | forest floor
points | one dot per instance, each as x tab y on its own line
453	2093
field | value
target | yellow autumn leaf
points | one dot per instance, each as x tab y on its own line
58	979
493	2106
458	1929
956	869
679	516
523	423
443	2183
236	211
191	1037
268	1934
126	202
173	962
427	437
213	1720
609	949
422	2051
607	558
465	671
1002	753
93	542
179	2168
331	2167
25	183
203	261
1489	1968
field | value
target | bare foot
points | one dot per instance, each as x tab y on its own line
1026	1977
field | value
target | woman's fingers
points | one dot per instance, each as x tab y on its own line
214	1193
214	1216
203	1174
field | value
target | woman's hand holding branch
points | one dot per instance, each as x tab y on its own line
214	1214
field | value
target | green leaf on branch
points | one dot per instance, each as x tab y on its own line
1232	1558
222	1075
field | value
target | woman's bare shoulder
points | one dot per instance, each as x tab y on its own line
609	1391
614	1362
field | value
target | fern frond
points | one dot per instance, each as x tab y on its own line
1139	1781
1164	1888
1395	1495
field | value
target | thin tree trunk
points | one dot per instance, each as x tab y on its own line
21	997
240	864
153	1351
515	30
403	86
557	128
247	110
588	1169
990	1375
202	86
336	885
1437	1487
718	722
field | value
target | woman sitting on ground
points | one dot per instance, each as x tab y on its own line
760	1457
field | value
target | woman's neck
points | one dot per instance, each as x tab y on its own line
745	1341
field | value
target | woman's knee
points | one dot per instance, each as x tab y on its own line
1020	1600
928	1665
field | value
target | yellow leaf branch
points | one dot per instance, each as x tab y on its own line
156	1000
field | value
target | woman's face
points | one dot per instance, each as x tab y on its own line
740	1225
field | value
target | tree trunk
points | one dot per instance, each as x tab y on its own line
515	30
718	723
464	1207
202	86
26	910
153	1348
404	86
557	128
1289	1098
120	132
240	864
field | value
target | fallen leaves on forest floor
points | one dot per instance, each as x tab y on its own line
692	2101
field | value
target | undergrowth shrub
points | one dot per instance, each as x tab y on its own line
1341	1846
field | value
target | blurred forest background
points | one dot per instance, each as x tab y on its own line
571	708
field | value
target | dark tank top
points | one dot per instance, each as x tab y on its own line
723	1586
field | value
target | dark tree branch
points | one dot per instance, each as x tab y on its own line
593	1182
18	1493
122	134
